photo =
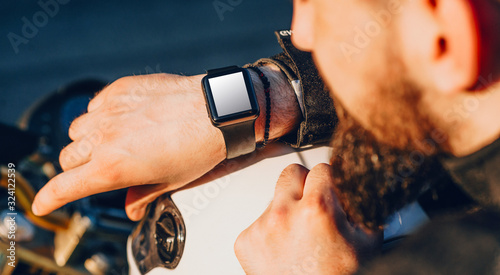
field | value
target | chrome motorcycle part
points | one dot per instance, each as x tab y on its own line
158	240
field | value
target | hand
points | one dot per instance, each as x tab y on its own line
150	133
140	130
304	230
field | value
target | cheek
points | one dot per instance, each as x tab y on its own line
352	58
348	81
336	75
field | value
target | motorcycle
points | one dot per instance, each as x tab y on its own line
85	237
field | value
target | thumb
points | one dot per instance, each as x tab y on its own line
139	197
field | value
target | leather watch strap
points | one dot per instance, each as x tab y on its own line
221	70
239	138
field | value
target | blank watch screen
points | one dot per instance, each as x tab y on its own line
230	94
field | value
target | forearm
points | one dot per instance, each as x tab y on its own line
285	111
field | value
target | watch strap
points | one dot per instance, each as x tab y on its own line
239	138
221	70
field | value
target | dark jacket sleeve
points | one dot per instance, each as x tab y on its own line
318	113
469	245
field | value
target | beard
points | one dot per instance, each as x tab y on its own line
379	170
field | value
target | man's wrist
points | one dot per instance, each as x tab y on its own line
285	111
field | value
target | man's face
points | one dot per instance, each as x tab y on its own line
352	39
378	154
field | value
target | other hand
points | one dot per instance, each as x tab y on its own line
304	230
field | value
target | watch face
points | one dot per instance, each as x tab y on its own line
230	97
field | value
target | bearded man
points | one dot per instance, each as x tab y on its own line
415	88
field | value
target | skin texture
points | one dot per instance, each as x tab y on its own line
423	37
306	218
122	131
403	70
150	133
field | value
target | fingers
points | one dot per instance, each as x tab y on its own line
97	101
79	152
75	154
77	130
77	183
319	181
63	188
319	192
290	184
138	198
83	125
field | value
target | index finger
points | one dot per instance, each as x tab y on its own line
319	181
97	101
290	184
320	192
319	188
66	187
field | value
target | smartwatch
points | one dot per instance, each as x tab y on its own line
232	107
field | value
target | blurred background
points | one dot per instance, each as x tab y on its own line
40	50
46	45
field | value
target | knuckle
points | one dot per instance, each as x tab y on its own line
321	170
123	85
95	137
292	171
67	157
83	148
97	101
76	127
116	88
240	244
322	167
277	217
106	125
121	82
293	168
278	212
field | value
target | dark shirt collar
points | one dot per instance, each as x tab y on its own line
478	174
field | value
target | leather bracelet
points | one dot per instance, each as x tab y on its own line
267	90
